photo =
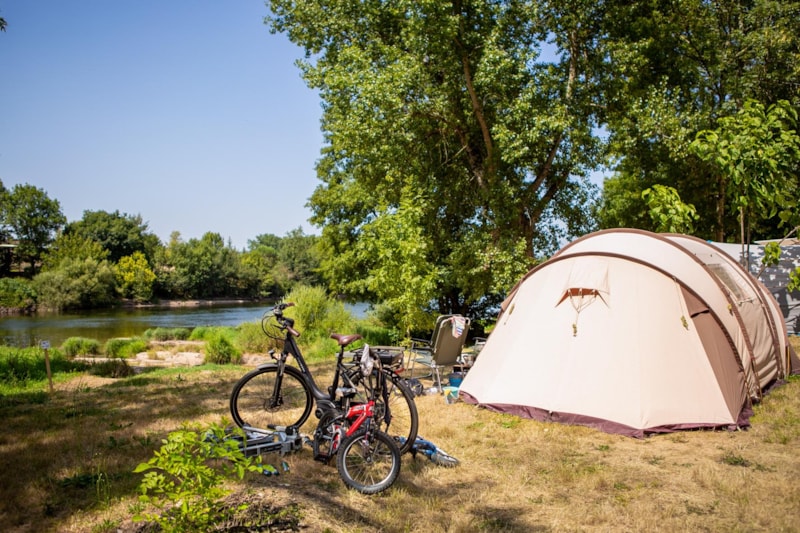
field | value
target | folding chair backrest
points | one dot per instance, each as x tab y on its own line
448	339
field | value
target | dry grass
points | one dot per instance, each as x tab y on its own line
67	466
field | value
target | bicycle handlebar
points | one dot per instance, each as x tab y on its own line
285	322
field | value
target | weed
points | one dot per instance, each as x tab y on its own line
184	478
732	459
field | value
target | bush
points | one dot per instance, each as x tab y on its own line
185	478
221	350
77	284
318	315
378	335
168	334
115	368
250	338
80	346
16	293
124	348
202	333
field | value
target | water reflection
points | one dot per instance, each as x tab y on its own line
103	325
25	331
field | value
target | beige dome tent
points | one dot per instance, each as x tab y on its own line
633	332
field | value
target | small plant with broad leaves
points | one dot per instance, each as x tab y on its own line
184	479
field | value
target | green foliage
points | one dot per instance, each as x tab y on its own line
70	246
378	335
113	368
22	368
120	235
74	346
221	349
202	333
76	284
204	268
33	219
135	278
185	478
673	72
250	338
124	348
446	127
16	293
169	334
668	212
756	153
316	314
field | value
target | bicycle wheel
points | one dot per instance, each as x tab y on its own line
404	418
255	402
368	462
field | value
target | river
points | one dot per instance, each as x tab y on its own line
25	331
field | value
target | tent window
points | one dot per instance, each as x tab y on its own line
725	277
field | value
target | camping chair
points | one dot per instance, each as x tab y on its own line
444	348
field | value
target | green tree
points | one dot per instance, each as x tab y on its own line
448	111
76	284
677	68
202	268
121	234
668	212
33	219
298	260
6	247
756	156
71	246
134	277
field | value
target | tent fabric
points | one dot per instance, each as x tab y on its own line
632	332
774	278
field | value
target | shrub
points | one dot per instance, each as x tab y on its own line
318	315
221	350
124	348
80	346
185	478
114	368
378	335
76	284
16	293
201	333
250	338
167	334
134	277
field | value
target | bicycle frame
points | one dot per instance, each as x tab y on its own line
325	401
290	348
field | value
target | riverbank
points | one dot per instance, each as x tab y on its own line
211	302
159	304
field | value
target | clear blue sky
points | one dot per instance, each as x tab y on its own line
186	112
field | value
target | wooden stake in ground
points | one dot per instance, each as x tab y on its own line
46	347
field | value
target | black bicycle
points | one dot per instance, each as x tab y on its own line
278	394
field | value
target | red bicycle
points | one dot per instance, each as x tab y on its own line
368	460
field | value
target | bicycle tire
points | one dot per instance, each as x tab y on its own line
404	420
368	462
253	393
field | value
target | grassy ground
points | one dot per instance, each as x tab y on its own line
67	465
